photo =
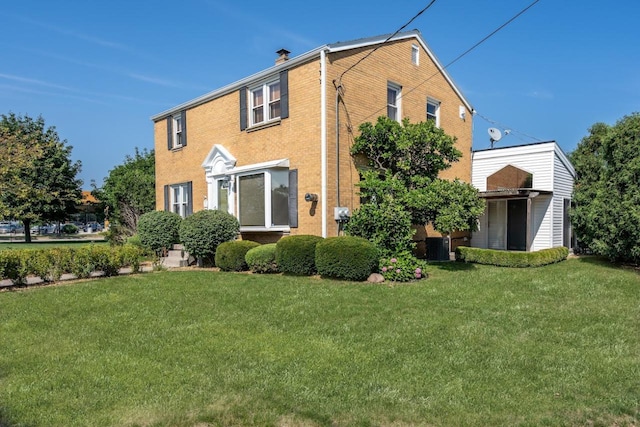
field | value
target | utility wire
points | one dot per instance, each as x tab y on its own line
384	42
493	122
459	56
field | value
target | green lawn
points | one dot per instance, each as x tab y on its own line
43	244
470	346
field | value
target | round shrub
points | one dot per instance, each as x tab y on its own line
262	259
69	229
158	230
297	254
346	257
230	256
202	233
403	267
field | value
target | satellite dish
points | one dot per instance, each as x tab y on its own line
494	135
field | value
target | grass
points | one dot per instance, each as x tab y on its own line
50	244
470	346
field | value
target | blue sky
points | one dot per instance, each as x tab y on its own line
98	71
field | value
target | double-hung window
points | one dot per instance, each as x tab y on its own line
178	199
265	102
177	130
433	111
393	101
263	199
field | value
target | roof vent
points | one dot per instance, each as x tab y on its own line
283	56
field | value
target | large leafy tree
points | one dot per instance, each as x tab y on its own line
129	190
40	180
606	213
399	165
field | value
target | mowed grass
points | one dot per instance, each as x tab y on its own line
470	346
4	245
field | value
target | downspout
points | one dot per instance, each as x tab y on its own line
338	88
323	139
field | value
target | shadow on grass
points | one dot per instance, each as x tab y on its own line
4	422
452	266
605	262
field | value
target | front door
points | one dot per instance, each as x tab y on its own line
222	202
517	225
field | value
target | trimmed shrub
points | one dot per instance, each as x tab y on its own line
51	264
262	259
61	262
13	264
346	257
511	259
202	233
297	254
230	256
403	267
158	230
69	229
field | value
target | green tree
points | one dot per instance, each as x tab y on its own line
606	195
130	191
399	164
41	184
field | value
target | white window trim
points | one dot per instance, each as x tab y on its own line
437	104
266	102
183	194
415	54
398	89
249	170
176	118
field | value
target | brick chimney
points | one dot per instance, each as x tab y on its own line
283	56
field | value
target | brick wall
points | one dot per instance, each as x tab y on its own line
298	137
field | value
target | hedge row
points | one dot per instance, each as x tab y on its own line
344	257
511	259
50	264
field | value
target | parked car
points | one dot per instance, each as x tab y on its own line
93	227
11	227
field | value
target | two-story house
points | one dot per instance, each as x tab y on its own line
273	148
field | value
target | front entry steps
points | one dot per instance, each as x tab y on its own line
176	257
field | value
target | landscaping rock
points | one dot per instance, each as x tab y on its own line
375	278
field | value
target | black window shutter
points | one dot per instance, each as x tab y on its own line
189	199
293	198
170	132
284	94
243	108
184	128
166	198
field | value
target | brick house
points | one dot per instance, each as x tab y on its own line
273	148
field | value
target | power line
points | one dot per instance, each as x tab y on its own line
459	56
493	122
388	38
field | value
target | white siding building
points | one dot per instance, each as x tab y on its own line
528	192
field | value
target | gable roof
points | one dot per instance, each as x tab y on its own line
311	55
488	153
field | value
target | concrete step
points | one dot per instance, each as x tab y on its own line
176	257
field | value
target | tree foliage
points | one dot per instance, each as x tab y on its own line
129	190
606	196
37	175
399	164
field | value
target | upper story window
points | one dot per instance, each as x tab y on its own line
433	111
177	130
393	101
265	102
415	54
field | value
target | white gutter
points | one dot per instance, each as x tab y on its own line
323	139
